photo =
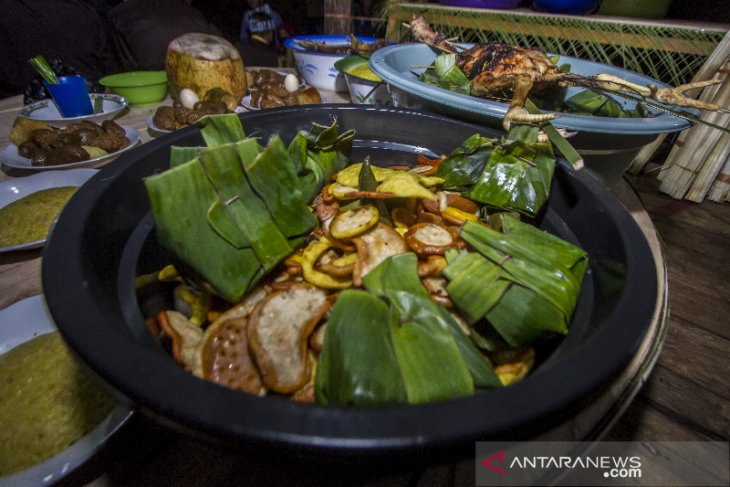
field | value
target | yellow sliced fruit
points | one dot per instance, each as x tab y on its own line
351	223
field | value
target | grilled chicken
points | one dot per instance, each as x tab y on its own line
496	68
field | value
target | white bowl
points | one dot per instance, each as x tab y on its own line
362	90
318	68
46	111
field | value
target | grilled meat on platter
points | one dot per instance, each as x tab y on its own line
495	67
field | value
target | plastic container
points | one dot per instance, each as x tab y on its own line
496	4
138	87
71	96
570	7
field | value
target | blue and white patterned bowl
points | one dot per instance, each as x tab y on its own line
318	68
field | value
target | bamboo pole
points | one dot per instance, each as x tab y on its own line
710	169
711	67
720	191
338	17
685	162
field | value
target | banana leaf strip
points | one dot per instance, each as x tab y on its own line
180	155
521	259
450	76
475	284
463	167
326	154
364	374
181	222
221	129
249	213
448	354
479	289
546	273
518	174
589	102
271	174
523	316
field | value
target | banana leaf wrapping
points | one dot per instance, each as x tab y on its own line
523	280
514	173
421	353
231	211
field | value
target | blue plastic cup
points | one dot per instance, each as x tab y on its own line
70	96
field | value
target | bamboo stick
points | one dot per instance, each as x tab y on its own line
720	191
712	66
710	169
685	161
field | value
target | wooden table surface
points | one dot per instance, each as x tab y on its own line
150	454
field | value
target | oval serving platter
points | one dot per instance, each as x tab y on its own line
10	157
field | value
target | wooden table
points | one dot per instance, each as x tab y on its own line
145	453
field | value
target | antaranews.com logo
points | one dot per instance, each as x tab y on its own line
682	464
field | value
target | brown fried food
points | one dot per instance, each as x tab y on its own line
23	128
225	357
373	247
278	332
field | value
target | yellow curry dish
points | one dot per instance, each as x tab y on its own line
48	402
29	219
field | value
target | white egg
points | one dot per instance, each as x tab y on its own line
291	83
188	98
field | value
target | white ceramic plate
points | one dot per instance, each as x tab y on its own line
46	111
246	102
14	189
154	128
10	157
19	323
151	125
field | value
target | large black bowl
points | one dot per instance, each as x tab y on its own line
105	236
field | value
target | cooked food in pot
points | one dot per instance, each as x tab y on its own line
307	276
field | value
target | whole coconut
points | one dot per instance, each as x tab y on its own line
203	61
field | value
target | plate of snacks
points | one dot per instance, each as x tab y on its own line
42	147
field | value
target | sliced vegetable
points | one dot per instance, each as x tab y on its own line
278	331
225	358
373	247
431	239
326	281
185	336
351	223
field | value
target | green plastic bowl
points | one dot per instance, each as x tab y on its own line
138	87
